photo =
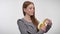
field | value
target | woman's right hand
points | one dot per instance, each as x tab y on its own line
43	28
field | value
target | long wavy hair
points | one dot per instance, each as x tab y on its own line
34	20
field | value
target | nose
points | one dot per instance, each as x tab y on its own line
32	9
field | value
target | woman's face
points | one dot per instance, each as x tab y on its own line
30	9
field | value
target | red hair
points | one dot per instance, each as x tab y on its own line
34	20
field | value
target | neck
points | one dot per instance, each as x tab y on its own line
27	18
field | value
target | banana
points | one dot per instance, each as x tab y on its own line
41	23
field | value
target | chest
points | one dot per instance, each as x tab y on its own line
31	28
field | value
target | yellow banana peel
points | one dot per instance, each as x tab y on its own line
41	23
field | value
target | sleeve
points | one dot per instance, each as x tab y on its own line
22	27
40	31
48	27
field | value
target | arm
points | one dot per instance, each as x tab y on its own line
47	25
22	27
24	30
40	31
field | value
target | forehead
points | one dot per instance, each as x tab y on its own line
31	5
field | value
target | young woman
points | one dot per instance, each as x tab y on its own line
28	24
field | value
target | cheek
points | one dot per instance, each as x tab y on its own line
28	11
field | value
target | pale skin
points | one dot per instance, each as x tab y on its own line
29	11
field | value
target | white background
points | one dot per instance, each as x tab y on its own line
11	10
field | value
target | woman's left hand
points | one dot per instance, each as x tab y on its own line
48	22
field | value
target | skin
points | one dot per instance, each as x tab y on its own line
30	11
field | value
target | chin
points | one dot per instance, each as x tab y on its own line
31	15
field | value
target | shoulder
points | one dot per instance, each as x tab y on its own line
19	21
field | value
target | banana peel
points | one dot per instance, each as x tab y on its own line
41	23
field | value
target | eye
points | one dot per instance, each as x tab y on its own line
30	8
